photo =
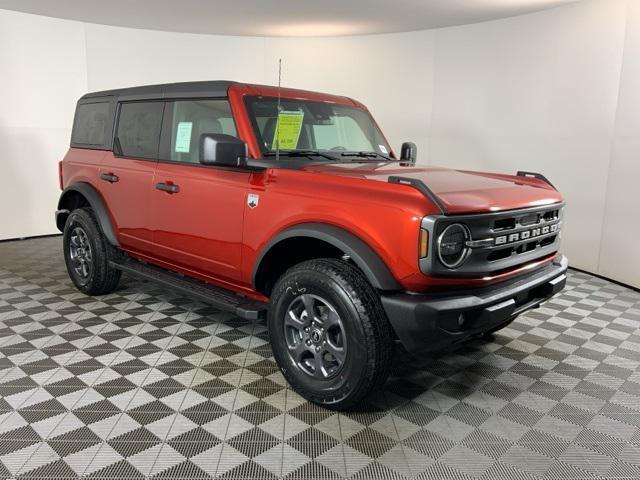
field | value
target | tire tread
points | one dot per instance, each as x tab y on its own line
380	340
106	278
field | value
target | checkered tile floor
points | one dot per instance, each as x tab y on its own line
146	384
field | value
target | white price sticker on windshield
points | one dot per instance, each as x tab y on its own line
383	149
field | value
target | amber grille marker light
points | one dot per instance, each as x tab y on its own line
424	242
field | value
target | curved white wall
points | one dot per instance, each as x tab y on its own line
552	91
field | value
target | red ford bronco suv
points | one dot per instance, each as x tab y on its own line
291	205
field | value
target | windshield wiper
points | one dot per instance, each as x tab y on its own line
368	155
315	153
303	153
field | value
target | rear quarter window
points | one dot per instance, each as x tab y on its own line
91	125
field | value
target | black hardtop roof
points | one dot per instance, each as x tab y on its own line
212	88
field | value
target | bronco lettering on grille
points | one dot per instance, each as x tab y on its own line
534	232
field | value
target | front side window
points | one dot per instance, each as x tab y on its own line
185	123
139	129
319	126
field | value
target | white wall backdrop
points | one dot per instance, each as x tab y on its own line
42	73
554	92
621	227
537	92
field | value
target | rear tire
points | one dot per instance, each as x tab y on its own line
329	333
87	253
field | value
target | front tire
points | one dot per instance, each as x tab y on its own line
87	253
329	333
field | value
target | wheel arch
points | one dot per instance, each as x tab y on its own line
334	239
84	194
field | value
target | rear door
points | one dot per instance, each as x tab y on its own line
197	210
126	177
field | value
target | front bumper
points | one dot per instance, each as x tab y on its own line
435	321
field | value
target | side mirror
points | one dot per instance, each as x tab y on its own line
221	149
408	154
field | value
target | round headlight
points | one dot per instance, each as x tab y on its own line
452	250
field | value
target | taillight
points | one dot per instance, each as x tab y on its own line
60	175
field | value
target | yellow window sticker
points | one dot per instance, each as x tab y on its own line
183	137
288	130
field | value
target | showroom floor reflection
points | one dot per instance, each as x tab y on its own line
144	383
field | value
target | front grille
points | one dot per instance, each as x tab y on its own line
498	240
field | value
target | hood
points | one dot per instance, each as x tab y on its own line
460	191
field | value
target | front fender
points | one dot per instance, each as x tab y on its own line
362	254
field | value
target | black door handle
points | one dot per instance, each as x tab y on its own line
109	177
167	187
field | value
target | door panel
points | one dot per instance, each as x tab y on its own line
197	211
199	227
128	198
126	180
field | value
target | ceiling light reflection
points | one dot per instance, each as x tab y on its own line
317	29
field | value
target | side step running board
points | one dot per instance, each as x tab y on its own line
217	297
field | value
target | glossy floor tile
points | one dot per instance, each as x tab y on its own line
144	383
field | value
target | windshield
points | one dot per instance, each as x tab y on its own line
307	126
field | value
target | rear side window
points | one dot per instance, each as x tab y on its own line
139	127
91	125
185	121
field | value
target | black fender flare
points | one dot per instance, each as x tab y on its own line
360	252
97	204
